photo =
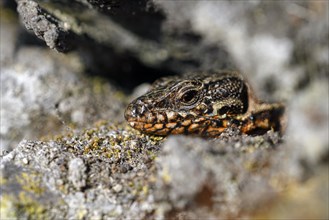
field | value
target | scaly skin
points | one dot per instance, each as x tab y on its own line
203	103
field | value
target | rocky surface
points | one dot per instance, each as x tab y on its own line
44	93
66	152
98	173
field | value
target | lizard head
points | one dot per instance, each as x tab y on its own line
174	101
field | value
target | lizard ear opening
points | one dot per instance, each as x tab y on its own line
223	110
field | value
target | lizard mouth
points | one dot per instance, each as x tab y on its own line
148	128
157	123
162	123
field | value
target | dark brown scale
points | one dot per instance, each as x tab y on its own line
205	104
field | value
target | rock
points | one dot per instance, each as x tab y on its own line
73	177
77	173
219	176
48	93
179	166
45	26
117	188
308	122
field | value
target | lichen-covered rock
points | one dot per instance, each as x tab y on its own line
308	122
209	179
45	26
114	27
99	173
44	93
77	173
113	171
264	42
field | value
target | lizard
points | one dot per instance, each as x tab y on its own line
204	103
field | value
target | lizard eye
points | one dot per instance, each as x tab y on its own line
189	96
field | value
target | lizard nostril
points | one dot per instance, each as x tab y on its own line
141	109
135	110
131	112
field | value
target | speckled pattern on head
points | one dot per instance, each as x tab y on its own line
202	103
